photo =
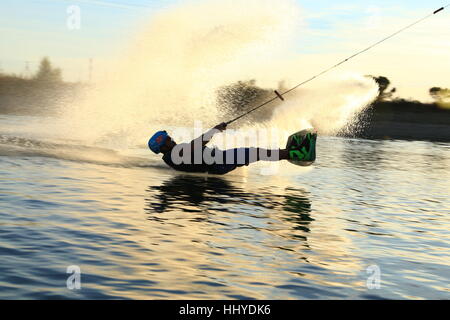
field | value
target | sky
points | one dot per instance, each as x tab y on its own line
414	61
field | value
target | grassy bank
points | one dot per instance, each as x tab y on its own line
403	119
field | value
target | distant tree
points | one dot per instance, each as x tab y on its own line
441	97
440	94
383	85
47	73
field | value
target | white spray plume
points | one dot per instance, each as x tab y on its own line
171	71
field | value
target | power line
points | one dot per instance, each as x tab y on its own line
112	5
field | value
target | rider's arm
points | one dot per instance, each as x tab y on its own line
207	136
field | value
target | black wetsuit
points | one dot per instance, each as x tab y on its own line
231	159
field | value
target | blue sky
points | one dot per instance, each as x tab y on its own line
31	29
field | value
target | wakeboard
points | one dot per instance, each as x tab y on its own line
302	147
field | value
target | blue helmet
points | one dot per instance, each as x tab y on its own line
157	141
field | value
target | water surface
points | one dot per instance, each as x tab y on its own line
139	230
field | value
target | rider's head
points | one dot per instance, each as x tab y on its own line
161	142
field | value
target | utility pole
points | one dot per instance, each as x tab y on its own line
27	69
90	70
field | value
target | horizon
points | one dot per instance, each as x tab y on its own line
34	29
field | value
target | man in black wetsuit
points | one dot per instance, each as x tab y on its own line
197	157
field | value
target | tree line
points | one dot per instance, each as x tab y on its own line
46	74
439	95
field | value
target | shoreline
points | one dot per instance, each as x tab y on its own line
397	119
390	130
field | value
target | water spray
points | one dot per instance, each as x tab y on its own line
279	95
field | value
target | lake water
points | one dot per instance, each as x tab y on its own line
366	211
